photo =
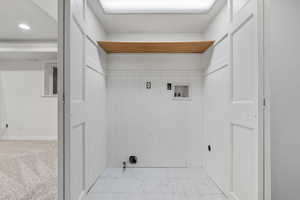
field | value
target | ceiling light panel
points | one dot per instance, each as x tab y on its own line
24	27
156	6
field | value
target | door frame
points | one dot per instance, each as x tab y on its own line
61	102
266	87
64	8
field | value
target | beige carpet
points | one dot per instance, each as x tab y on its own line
28	170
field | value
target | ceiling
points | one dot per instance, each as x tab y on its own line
40	15
42	21
155	23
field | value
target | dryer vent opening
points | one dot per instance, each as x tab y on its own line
133	159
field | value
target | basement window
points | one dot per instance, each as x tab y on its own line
50	79
156	6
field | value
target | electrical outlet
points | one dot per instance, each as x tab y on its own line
148	85
169	86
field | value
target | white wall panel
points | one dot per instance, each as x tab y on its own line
77	161
216	107
237	5
77	62
244	149
93	56
219	25
243	48
93	28
217	55
152	61
78	11
216	127
95	139
149	123
95	99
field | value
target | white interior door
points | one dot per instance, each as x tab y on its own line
246	99
75	123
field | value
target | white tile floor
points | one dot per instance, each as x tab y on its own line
155	184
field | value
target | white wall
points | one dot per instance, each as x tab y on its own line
216	124
284	62
30	116
93	26
2	109
219	25
217	96
50	7
158	62
161	131
95	100
155	37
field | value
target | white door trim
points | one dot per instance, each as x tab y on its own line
267	135
61	107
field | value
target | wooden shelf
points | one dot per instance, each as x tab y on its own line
155	47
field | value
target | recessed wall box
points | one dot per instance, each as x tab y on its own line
181	91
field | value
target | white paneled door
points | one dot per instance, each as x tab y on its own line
75	123
85	105
246	99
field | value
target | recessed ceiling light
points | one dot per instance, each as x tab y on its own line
24	27
156	6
